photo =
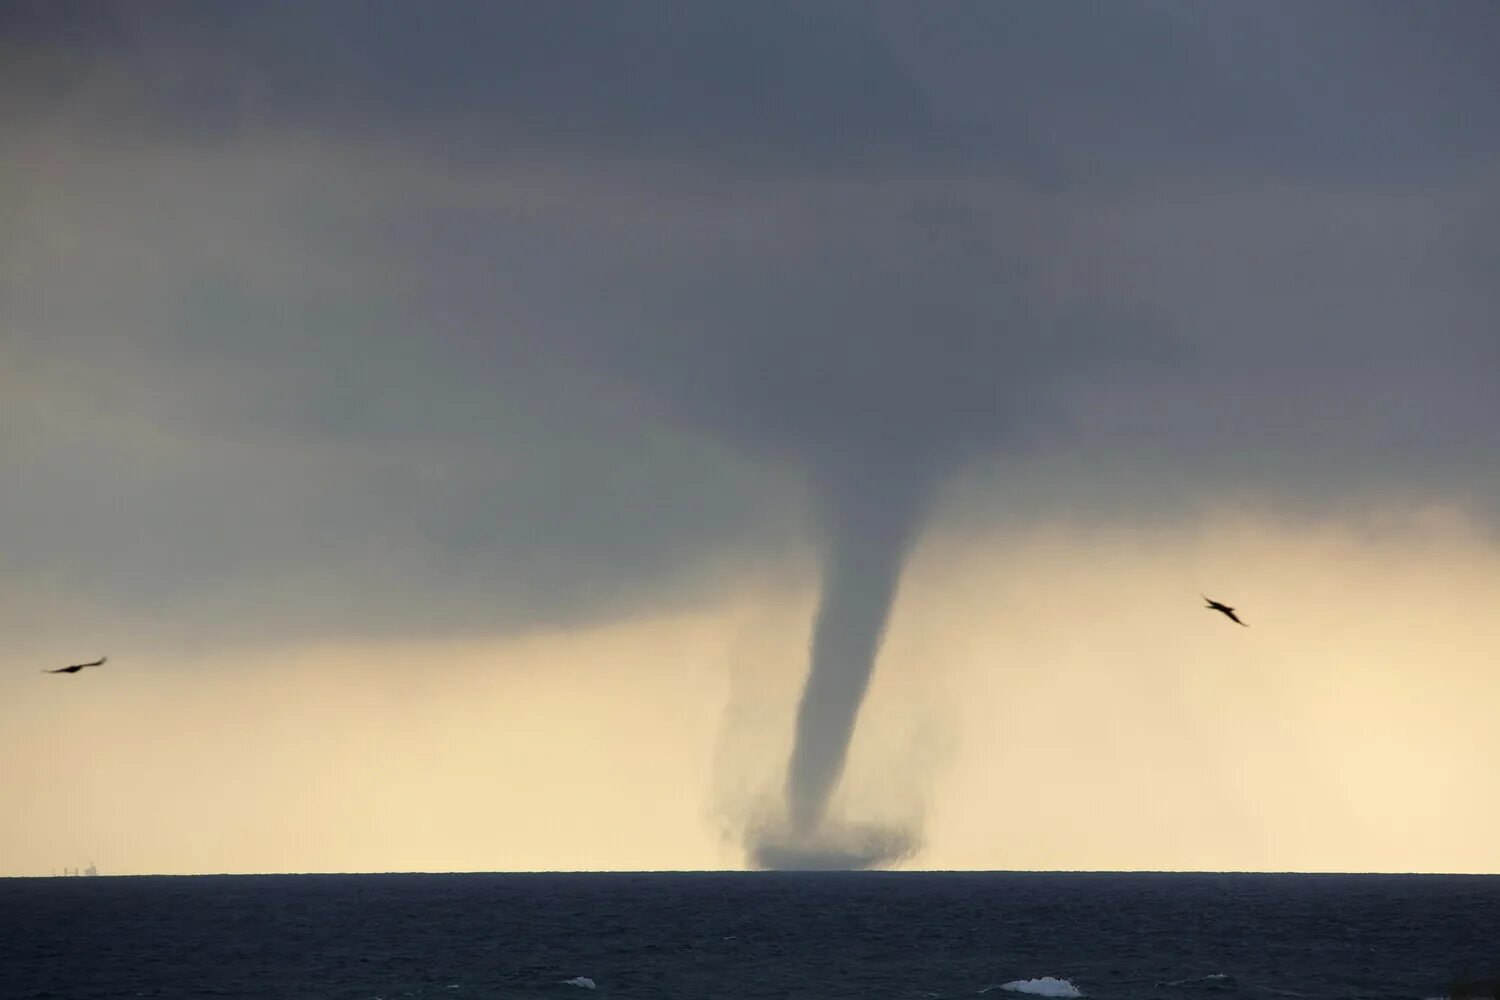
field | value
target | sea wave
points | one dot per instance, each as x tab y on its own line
1047	986
1217	980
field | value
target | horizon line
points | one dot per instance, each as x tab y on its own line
776	871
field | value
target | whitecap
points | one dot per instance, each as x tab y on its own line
1047	986
1217	979
583	981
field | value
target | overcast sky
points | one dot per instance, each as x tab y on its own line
338	338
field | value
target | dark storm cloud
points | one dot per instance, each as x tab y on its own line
761	83
501	299
1364	92
1365	89
395	411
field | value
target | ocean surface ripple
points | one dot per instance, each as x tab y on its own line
903	935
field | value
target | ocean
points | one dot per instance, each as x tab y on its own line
907	935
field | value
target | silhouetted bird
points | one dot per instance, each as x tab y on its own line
77	667
1226	609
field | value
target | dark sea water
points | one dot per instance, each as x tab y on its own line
671	936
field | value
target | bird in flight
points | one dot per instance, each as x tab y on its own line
1227	611
77	667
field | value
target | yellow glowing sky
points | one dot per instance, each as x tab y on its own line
1053	699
